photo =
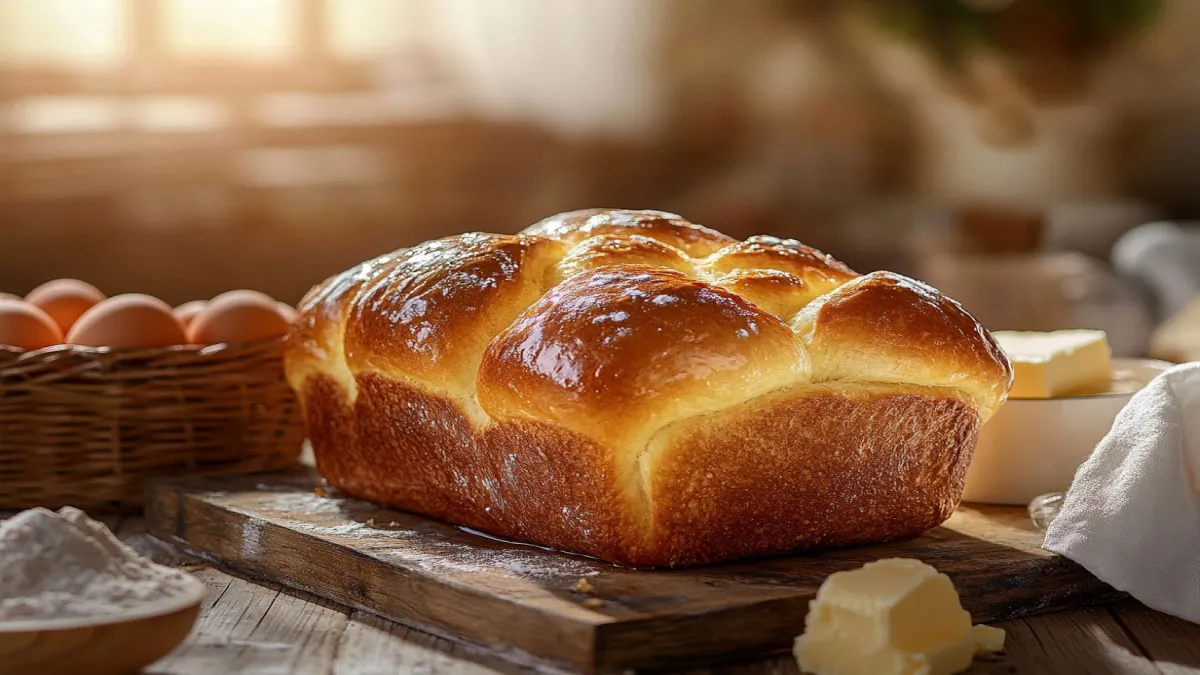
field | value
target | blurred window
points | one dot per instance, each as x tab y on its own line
231	29
365	29
75	33
93	34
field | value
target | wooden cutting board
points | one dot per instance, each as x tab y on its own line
550	608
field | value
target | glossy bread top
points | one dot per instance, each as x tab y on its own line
668	228
884	327
616	324
619	352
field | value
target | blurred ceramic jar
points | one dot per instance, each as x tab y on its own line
1043	292
1165	258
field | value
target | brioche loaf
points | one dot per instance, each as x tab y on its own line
635	387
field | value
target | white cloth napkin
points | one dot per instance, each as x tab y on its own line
1132	515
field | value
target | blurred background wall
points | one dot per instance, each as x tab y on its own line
997	148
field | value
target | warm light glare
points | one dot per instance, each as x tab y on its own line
231	29
177	114
67	114
78	33
304	167
368	28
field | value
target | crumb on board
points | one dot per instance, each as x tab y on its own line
370	522
584	586
393	524
321	492
593	603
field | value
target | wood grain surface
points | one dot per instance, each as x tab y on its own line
1102	641
1125	638
549	608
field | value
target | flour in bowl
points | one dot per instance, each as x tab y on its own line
64	565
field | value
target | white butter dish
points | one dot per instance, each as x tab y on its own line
1033	446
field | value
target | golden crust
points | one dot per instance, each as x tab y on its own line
884	327
597	354
645	390
779	293
779	275
434	310
315	342
668	228
819	271
606	250
814	467
818	466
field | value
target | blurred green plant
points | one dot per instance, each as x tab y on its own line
1004	58
951	29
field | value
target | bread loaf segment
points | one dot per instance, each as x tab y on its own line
819	271
639	388
315	344
884	327
779	293
695	240
616	354
606	250
779	275
430	315
814	465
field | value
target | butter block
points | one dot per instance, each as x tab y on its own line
893	616
1058	363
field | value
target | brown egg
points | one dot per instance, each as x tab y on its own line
188	311
130	321
26	327
238	316
242	293
65	300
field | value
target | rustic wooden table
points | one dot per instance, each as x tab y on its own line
248	627
261	629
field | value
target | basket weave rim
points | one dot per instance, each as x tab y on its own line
15	354
88	426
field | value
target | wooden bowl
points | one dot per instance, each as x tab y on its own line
113	645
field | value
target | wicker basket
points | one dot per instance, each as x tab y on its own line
86	427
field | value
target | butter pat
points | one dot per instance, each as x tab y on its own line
988	638
890	617
1060	363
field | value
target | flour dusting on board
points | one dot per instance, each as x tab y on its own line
303	503
523	563
65	565
326	515
251	538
